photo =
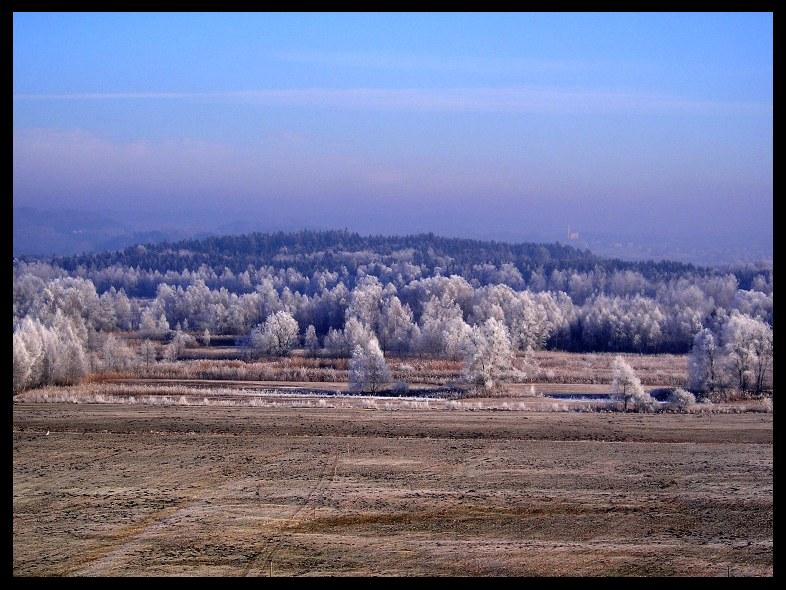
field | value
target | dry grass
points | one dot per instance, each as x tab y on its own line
212	395
668	370
553	367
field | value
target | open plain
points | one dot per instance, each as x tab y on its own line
117	489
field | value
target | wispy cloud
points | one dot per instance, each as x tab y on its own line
515	100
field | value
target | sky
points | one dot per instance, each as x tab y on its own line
499	126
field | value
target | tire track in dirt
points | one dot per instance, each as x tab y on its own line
268	550
96	558
332	479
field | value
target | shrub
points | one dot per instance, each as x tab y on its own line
680	399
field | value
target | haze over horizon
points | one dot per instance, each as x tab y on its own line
629	128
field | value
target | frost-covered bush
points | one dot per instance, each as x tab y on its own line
680	399
627	386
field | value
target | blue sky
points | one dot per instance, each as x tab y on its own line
491	124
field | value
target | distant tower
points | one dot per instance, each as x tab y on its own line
572	235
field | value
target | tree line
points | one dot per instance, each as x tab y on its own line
333	291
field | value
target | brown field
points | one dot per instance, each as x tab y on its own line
236	364
122	490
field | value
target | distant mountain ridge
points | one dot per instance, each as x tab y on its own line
68	232
343	252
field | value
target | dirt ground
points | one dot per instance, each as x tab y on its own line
140	490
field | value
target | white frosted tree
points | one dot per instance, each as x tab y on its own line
748	352
278	335
169	352
153	323
49	355
443	329
357	333
147	352
74	361
489	355
763	358
627	386
163	325
396	329
51	372
335	343
206	337
147	322
368	370
703	362
365	302
180	341
117	354
30	334
310	340
22	364
66	347
123	313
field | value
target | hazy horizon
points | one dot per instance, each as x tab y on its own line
653	130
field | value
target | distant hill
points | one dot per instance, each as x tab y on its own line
66	232
343	252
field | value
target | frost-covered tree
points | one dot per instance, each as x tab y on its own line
443	329
147	352
335	343
627	386
763	358
147	322
397	331
747	352
206	337
153	322
181	341
22	364
123	311
278	335
703	362
489	356
169	352
117	354
69	358
231	284
46	355
680	399
74	361
310	340
357	333
368	370
30	335
366	302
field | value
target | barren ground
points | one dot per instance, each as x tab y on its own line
121	490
